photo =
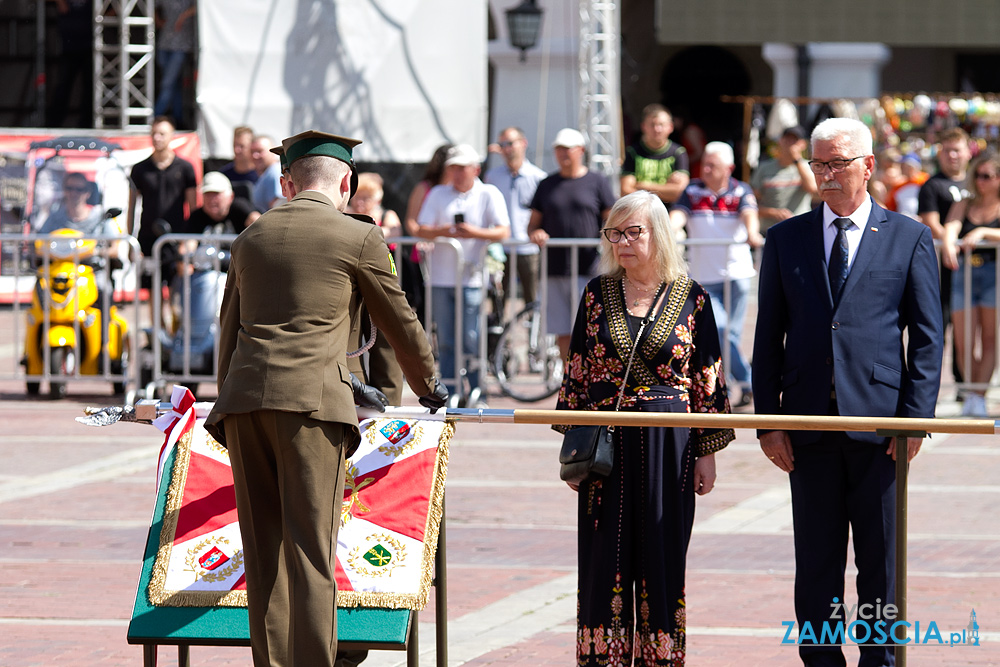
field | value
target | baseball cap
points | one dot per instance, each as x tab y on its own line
568	138
215	181
912	158
462	154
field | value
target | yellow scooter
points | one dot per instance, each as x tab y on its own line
65	321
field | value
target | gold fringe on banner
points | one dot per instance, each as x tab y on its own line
160	596
435	512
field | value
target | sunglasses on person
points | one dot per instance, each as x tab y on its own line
631	233
986	176
76	188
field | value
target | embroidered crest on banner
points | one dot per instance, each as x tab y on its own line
206	557
377	556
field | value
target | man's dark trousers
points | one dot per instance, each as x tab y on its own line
838	482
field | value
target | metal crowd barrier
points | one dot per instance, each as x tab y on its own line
22	267
149	371
18	272
200	266
403	246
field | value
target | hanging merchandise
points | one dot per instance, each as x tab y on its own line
904	123
783	115
844	108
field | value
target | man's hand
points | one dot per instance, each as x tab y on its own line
778	448
539	237
436	399
464	230
366	396
912	447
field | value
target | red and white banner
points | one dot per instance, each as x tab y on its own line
393	494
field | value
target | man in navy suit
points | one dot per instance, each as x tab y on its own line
839	286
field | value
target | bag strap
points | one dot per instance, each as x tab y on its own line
642	327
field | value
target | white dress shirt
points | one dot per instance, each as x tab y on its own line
853	232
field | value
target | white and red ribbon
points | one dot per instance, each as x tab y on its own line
174	424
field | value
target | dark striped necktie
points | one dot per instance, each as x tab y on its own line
838	267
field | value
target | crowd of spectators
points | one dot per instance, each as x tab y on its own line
723	218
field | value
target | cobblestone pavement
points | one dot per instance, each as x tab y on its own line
75	504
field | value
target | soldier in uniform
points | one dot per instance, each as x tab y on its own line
286	407
382	372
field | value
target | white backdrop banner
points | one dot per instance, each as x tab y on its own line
404	76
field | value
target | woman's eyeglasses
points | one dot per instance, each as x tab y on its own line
615	235
983	176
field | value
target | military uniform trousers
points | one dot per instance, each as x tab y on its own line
288	472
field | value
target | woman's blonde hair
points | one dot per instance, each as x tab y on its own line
989	157
369	183
635	208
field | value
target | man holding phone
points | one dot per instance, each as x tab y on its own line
474	213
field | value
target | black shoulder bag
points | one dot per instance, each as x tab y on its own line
588	452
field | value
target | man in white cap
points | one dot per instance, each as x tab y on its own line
476	214
572	203
220	212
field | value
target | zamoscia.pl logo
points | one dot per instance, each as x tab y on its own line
877	624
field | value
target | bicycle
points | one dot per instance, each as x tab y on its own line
527	363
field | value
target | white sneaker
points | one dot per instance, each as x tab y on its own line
981	407
974	405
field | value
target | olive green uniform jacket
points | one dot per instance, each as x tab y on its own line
296	280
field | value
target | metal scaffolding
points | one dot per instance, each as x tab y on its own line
600	106
123	64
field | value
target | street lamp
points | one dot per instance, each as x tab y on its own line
524	23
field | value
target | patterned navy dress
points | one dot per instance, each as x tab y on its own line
635	525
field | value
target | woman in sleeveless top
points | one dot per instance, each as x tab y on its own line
971	222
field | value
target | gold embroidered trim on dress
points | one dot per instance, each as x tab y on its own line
663	327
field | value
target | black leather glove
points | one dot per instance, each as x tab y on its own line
366	396
437	398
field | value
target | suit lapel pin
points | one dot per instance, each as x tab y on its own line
874	229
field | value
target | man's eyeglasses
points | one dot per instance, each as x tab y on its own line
631	233
836	166
75	188
505	144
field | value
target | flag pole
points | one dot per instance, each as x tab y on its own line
146	411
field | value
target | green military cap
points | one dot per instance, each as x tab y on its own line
313	142
280	152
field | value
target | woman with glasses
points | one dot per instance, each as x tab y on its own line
970	221
635	524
